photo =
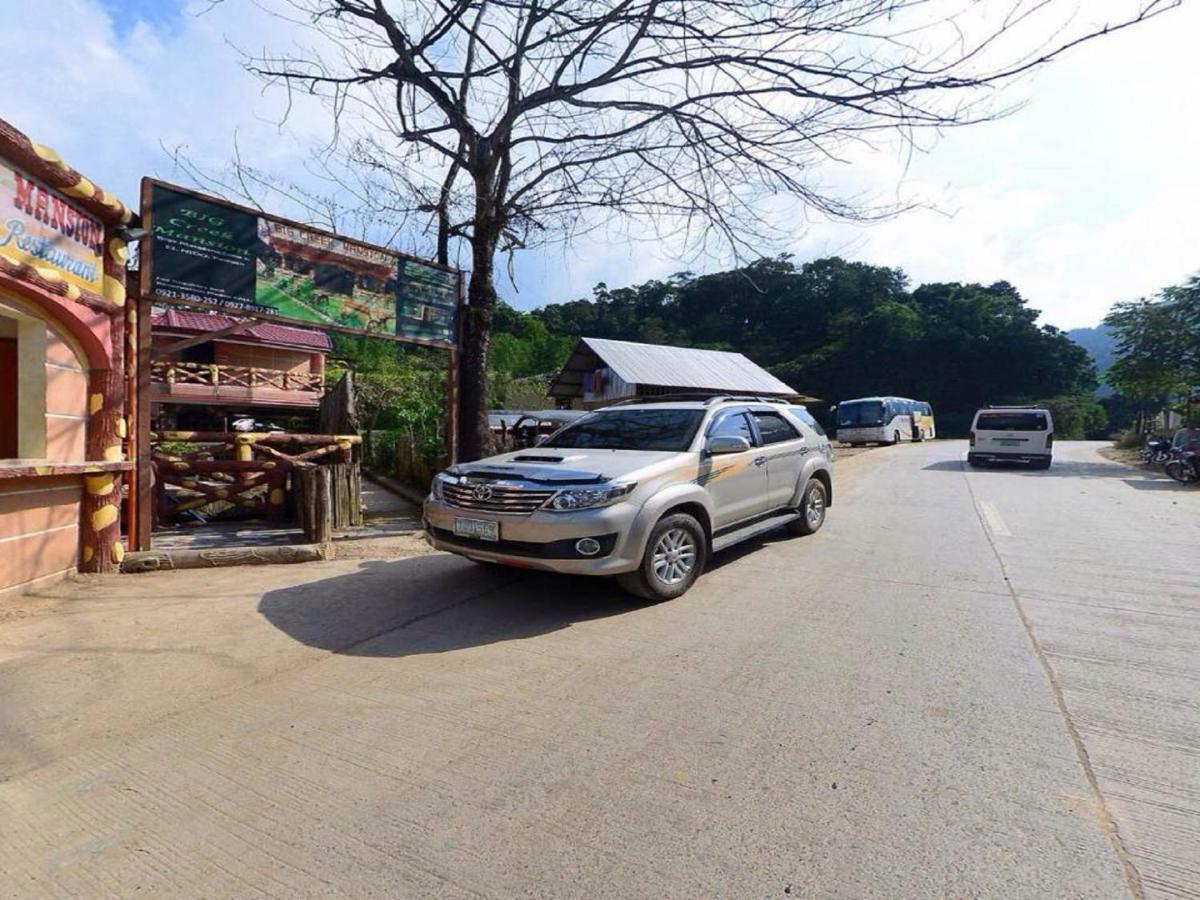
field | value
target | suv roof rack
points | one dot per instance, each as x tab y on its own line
707	399
1014	406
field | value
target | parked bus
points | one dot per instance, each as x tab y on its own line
884	420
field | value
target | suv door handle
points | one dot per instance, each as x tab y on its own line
760	460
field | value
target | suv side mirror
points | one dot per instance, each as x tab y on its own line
727	443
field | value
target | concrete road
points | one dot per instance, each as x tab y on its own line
969	684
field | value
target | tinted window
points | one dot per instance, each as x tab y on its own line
1011	421
733	425
774	428
631	429
806	417
863	414
925	409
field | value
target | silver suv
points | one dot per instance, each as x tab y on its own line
645	491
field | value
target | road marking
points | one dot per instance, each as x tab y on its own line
995	521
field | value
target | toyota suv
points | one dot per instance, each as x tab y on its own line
645	491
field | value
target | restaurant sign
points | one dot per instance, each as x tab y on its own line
41	228
206	252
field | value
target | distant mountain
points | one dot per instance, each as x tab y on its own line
1099	344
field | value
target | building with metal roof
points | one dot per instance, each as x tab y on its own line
600	371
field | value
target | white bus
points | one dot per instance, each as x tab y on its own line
884	420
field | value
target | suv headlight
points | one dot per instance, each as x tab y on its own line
435	488
589	498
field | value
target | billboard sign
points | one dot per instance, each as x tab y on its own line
205	252
41	227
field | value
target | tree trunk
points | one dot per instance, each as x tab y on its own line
474	434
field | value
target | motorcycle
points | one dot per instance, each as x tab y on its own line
1184	466
1157	450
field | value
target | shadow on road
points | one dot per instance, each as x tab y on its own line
435	603
1146	480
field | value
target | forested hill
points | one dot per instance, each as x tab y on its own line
829	328
1099	344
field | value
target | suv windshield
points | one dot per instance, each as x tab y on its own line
631	429
858	415
1011	421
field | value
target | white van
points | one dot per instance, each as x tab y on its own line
1012	434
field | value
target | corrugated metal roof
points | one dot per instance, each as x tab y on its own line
263	332
682	367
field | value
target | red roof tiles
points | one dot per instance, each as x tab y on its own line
262	333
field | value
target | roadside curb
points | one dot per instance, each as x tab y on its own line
169	560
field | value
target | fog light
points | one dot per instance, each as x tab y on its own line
587	546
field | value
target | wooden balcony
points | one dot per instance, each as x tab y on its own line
183	382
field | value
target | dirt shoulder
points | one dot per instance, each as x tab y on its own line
1130	457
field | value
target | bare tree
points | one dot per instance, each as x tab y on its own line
513	122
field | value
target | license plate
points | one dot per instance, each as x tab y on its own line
1009	443
478	529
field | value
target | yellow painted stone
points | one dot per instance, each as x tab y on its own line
113	453
83	189
181	466
277	496
268	465
88	553
99	485
188	484
221	493
104	516
118	551
47	153
120	428
116	247
114	291
42	470
95	403
48	274
72	292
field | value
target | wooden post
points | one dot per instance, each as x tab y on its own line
323	524
452	402
143	474
452	380
276	495
133	332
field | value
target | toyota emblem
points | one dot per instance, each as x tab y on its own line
482	492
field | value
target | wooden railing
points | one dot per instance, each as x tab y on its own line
223	475
215	376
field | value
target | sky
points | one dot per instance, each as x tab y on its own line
1084	197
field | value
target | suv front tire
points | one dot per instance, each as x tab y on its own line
674	557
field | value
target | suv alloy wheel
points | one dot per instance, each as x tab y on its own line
813	502
674	558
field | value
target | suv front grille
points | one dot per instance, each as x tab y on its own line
502	499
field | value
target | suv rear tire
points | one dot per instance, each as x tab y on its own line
813	503
675	554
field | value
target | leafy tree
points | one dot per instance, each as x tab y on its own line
1077	416
837	329
1157	346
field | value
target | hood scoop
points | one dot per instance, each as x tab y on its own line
534	472
537	459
